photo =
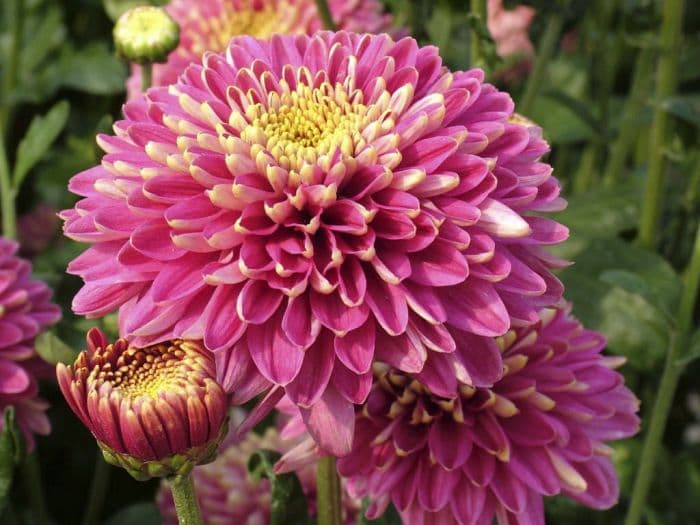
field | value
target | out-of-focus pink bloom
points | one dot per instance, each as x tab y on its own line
509	28
208	25
481	454
36	230
155	411
228	494
25	311
309	204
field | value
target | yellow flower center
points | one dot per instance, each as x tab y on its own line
299	126
152	370
259	21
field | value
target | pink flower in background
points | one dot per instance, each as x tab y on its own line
208	25
228	494
309	204
25	311
465	455
509	28
36	229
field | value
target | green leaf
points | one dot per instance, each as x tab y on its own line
576	106
136	514
439	26
53	350
604	212
289	505
41	133
11	444
684	107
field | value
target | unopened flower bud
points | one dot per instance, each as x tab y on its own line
156	411
146	34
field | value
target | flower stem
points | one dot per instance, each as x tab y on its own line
545	51
146	76
328	492
666	79
98	491
7	194
477	9
185	499
325	13
667	387
31	474
629	127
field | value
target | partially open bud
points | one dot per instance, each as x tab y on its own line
155	411
146	34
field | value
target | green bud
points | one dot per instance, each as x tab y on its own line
146	34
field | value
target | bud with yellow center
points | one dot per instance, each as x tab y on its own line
146	34
156	411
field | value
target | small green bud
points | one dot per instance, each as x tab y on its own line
146	34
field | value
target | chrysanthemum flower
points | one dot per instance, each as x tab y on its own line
493	453
25	311
509	28
208	25
227	493
307	204
155	411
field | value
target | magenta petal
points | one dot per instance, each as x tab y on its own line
479	357
311	381
388	304
331	422
436	492
15	379
277	358
356	349
301	327
440	264
450	442
476	307
257	302
350	385
509	490
223	325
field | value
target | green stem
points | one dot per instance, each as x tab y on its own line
667	387
31	474
666	79
545	51
328	506
477	9
629	127
185	499
693	192
585	175
98	491
7	194
325	13
146	76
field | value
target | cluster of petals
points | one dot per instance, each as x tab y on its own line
309	204
208	25
148	403
509	28
228	493
461	455
25	311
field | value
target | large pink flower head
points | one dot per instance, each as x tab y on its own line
25	311
208	25
307	204
465	455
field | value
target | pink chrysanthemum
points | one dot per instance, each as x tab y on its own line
492	453
306	204
208	25
227	493
25	311
509	28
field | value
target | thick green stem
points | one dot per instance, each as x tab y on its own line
98	491
31	475
477	9
146	76
185	499
325	13
629	126
667	387
545	51
666	79
328	492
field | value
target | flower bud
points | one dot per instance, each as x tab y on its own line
146	34
155	411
